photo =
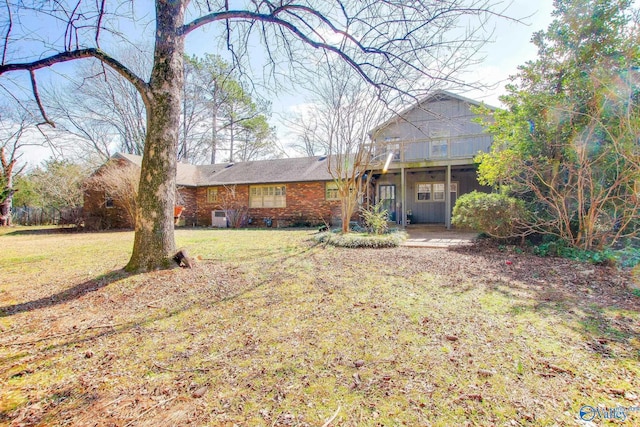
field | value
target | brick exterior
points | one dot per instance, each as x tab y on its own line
98	216
187	197
305	204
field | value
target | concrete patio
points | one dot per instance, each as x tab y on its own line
437	236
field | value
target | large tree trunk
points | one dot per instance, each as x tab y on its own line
154	242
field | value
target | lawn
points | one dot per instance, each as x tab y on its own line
270	328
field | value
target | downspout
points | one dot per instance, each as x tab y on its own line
402	198
447	199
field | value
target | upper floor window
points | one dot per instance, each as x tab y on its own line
439	142
267	196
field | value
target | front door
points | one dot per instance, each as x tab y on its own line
387	196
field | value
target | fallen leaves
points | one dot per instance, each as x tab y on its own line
284	336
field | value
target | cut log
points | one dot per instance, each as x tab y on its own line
182	259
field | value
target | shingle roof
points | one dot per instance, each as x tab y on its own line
254	172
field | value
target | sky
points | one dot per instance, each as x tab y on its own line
509	47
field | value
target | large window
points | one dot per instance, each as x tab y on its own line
434	191
267	196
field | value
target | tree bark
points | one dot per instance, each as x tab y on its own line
154	243
7	203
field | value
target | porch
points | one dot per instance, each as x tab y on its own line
424	195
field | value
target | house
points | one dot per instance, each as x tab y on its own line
430	148
278	193
424	161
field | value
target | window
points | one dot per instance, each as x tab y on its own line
434	191
439	142
267	196
439	148
331	191
108	201
212	194
424	191
438	192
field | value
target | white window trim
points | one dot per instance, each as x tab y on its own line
432	185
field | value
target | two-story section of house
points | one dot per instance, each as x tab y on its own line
428	150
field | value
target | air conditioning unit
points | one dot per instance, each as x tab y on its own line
219	219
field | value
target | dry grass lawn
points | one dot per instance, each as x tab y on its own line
270	329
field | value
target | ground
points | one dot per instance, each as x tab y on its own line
269	328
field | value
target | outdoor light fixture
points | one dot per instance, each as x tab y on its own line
388	162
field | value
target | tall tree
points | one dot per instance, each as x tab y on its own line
391	44
567	142
220	110
345	110
16	128
99	111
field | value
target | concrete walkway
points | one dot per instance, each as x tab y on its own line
437	236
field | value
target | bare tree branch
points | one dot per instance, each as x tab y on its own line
8	34
66	56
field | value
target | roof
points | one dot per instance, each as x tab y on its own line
439	95
303	169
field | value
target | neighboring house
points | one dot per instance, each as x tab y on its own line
431	146
276	193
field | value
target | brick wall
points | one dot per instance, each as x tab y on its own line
188	198
98	216
306	204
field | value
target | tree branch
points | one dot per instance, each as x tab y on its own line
67	56
6	36
272	18
36	95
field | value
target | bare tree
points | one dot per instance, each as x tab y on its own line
309	138
99	111
15	130
345	110
395	46
118	180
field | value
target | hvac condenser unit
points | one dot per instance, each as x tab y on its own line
219	219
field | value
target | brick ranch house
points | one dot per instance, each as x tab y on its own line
430	145
277	193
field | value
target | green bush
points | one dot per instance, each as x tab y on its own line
362	240
497	215
625	258
376	219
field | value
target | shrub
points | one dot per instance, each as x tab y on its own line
362	240
375	219
495	214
